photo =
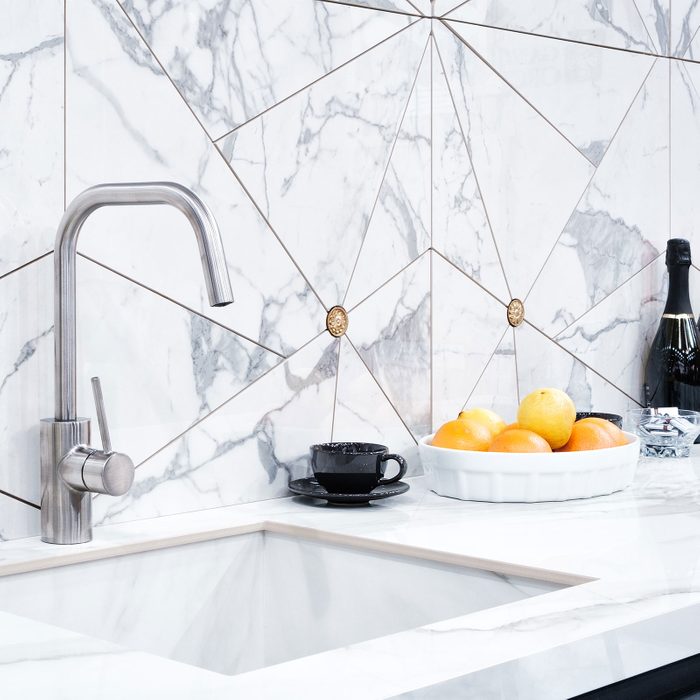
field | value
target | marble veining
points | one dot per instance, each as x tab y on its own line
467	326
233	60
685	169
286	157
583	91
163	369
622	221
615	336
245	450
400	225
682	24
349	157
31	114
605	22
530	176
26	378
497	387
356	389
390	331
542	361
656	15
119	136
461	228
631	602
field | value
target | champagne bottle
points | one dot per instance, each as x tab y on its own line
672	376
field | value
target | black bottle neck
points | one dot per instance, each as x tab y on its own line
678	301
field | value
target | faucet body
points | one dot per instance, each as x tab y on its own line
71	471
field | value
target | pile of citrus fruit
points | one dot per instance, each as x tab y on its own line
546	423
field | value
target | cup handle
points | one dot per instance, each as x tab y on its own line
402	468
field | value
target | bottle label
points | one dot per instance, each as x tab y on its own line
678	316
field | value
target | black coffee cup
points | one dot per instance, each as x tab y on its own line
353	467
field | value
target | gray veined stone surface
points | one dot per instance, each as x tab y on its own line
347	156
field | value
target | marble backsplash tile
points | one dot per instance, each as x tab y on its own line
420	171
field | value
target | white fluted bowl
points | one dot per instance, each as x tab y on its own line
508	477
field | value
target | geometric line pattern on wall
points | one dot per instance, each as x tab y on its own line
399	225
529	175
233	64
620	26
468	324
461	227
422	191
583	91
31	156
287	157
357	389
622	220
391	332
271	423
118	134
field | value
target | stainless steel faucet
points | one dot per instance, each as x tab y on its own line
71	470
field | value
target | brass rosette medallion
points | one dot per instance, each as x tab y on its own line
516	312
337	321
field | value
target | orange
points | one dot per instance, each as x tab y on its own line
463	434
549	413
489	418
510	426
519	440
615	433
588	436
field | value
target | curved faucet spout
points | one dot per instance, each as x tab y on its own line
211	252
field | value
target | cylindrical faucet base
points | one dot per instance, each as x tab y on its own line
66	514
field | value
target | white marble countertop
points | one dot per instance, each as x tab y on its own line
638	551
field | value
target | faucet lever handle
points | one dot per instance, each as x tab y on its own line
101	415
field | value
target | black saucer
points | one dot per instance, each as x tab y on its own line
310	487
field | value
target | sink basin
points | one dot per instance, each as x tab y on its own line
251	600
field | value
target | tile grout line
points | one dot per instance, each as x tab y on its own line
651	54
578	359
271	228
388	10
183	306
218	150
20	499
420	12
593	174
454	9
476	177
517	373
690	43
431	304
486	365
335	391
556	38
26	264
319	79
516	91
644	24
391	279
216	409
606	297
381	388
385	173
470	278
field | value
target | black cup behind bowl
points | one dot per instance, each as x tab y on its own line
353	467
612	417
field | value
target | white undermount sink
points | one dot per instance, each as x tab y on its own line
248	601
